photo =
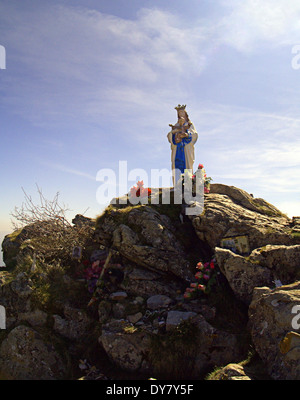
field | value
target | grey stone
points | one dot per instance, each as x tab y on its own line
135	317
127	349
22	285
230	211
75	325
118	296
271	326
263	267
35	318
146	240
242	274
174	318
158	301
24	355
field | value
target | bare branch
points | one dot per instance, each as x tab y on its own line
52	235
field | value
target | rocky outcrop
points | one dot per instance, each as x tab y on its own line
263	267
231	372
246	200
135	347
242	275
75	323
282	261
15	297
11	246
142	282
230	211
147	239
274	328
82	221
135	315
25	355
126	346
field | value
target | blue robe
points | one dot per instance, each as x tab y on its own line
180	163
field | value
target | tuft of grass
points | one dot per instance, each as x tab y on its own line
267	208
13	236
119	215
252	365
173	354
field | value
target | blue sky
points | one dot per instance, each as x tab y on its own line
89	83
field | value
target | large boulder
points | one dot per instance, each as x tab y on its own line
126	346
242	275
229	211
216	347
11	247
140	281
283	261
245	199
263	267
26	355
38	343
15	294
274	327
74	325
145	237
150	256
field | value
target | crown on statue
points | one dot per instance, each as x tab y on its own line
180	107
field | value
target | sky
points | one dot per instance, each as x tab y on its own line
89	83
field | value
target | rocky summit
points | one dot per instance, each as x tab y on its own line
152	292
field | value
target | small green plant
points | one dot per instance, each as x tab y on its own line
296	235
130	329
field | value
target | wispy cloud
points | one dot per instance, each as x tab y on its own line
72	71
88	66
72	171
251	24
262	150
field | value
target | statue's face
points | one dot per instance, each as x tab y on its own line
181	114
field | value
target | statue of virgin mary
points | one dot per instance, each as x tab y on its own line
182	137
